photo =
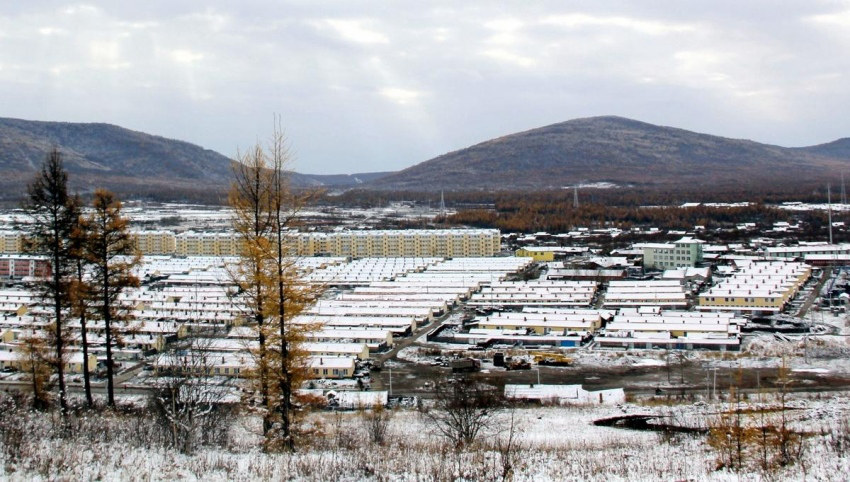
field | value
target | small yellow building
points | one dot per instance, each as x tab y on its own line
539	253
332	367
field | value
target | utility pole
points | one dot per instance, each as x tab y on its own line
391	381
575	196
714	385
806	338
829	211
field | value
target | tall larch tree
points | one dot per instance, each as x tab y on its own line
292	295
55	214
112	253
266	209
249	197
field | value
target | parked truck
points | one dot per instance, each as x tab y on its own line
552	359
465	365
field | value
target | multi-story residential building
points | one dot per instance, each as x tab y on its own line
684	253
447	243
18	267
155	242
11	242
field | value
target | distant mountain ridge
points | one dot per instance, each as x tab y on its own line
131	162
619	151
584	151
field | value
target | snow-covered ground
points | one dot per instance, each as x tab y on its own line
554	443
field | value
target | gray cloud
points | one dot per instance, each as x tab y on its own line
365	86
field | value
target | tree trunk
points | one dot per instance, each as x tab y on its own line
84	339
57	304
107	320
86	368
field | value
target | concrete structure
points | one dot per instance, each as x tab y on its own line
686	252
155	242
11	242
18	267
357	244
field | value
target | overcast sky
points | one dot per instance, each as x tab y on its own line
367	86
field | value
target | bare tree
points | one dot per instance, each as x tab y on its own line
187	400
376	422
509	444
112	254
463	408
55	214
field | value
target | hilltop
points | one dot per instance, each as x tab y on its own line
619	151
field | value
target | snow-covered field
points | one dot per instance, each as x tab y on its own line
555	443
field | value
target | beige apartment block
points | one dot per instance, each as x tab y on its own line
448	243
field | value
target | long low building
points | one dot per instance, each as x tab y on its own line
397	325
672	330
554	323
374	339
12	356
804	250
240	365
565	327
757	288
564	394
237	345
664	293
536	293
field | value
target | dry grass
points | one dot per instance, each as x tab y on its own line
552	444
